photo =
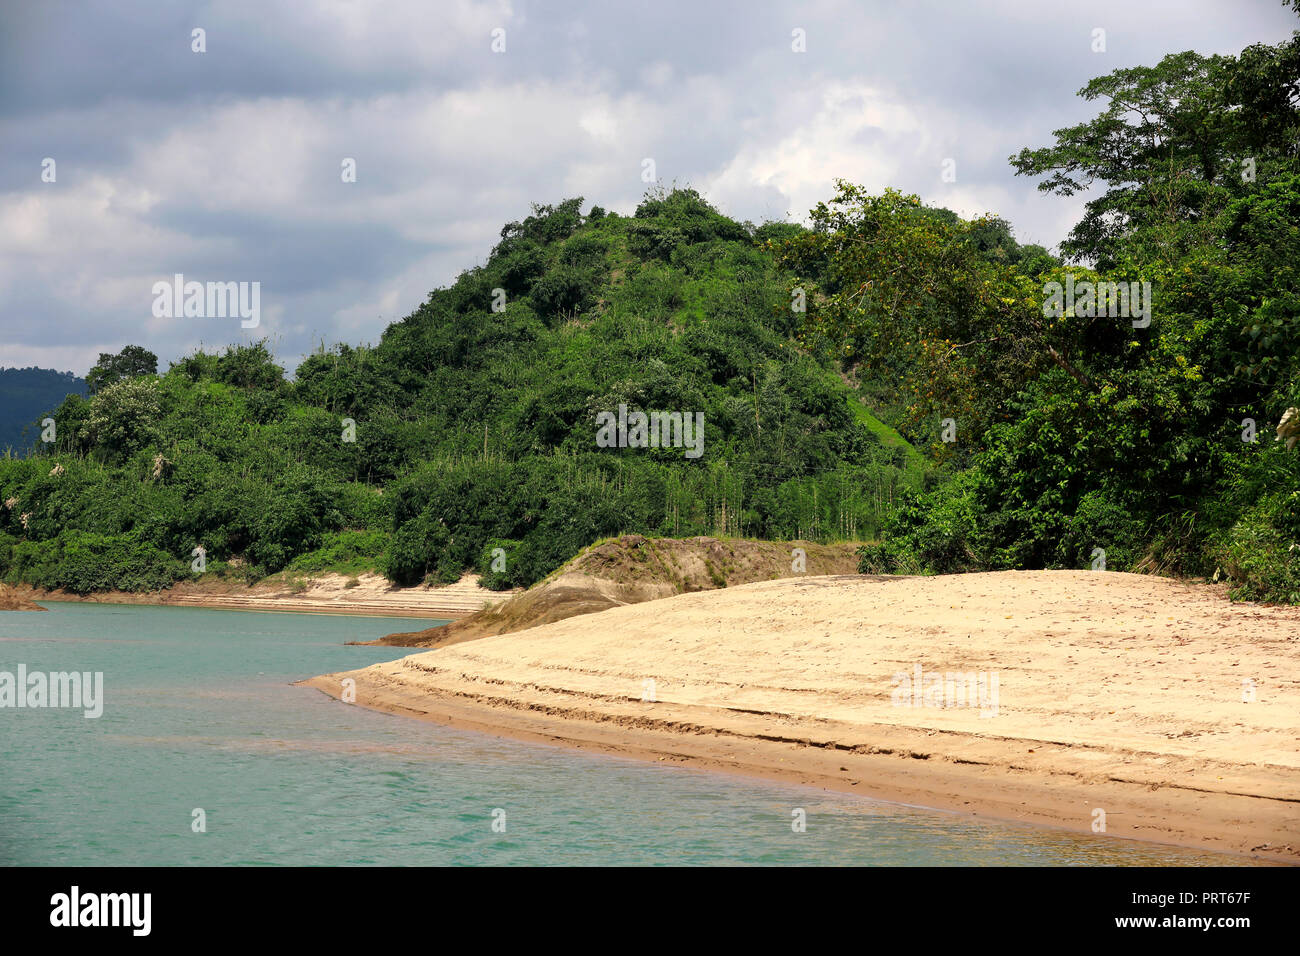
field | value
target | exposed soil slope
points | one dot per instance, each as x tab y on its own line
321	593
632	569
12	600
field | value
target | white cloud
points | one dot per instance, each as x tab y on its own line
802	165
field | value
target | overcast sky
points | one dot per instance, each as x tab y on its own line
226	165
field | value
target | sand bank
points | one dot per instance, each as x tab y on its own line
327	593
1162	705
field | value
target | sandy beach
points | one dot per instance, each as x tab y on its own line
1066	698
324	594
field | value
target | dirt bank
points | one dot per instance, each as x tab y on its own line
12	599
631	569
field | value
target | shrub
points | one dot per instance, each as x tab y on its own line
413	549
511	573
344	552
1103	520
124	417
931	533
1261	555
564	289
82	563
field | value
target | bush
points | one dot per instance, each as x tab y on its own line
886	557
448	569
83	563
932	533
124	417
510	575
413	549
344	552
1104	521
564	290
1261	555
363	506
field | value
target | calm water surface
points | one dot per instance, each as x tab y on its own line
199	712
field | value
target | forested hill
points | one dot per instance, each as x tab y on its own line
25	395
1115	408
473	425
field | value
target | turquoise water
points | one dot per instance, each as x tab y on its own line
199	712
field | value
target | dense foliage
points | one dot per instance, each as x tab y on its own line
1082	434
1133	434
468	433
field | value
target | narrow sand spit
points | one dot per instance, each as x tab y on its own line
1159	703
322	594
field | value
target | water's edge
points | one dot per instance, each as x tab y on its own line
206	754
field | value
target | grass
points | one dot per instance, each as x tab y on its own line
916	462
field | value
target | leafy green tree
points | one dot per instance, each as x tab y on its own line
934	301
124	417
132	362
1173	145
1134	440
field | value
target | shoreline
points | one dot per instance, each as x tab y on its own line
968	789
396	612
1048	758
372	596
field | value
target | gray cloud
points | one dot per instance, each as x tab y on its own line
225	165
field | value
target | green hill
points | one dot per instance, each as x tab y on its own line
1111	407
26	395
467	438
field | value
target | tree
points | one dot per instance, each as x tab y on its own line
132	362
1174	145
124	417
1136	442
250	366
928	299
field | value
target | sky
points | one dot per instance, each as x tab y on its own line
228	164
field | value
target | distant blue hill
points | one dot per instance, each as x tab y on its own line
26	396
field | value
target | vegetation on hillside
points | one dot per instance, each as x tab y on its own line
466	438
927	393
1144	442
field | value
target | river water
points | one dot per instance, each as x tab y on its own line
201	723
